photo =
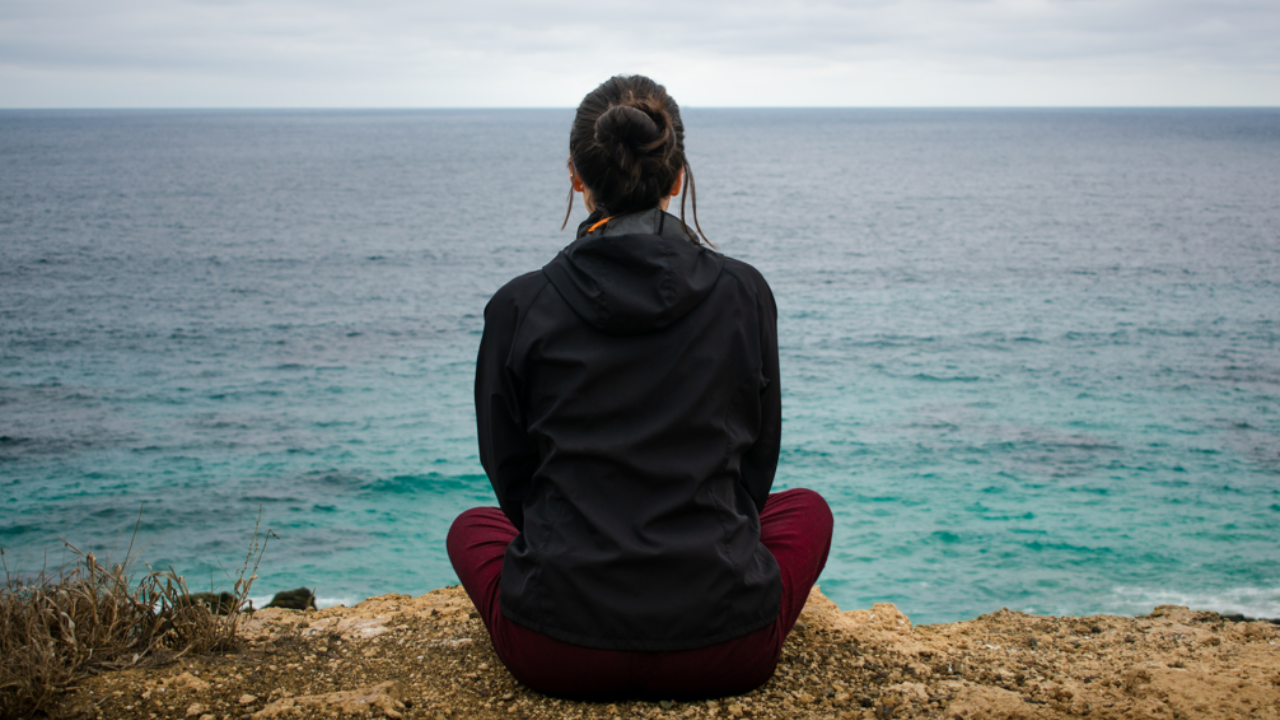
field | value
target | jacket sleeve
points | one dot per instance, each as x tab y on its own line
508	454
761	461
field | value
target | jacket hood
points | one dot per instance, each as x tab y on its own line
636	274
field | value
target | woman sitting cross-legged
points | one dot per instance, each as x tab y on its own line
629	413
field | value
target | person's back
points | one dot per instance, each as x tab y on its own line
628	406
652	408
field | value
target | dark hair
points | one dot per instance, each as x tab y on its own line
627	147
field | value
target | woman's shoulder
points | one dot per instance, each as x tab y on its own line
747	275
520	291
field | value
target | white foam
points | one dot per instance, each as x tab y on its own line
261	601
1249	601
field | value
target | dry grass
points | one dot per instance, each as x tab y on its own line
56	629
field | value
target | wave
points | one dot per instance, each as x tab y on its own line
261	601
939	378
1256	602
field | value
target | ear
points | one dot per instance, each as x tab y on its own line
574	180
675	189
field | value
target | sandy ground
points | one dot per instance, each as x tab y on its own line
398	656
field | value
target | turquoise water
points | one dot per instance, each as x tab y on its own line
1030	357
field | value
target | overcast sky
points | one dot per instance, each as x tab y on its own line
515	53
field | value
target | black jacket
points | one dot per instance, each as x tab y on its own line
629	417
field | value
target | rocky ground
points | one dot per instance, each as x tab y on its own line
398	656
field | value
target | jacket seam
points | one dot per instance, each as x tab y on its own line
520	318
730	267
535	577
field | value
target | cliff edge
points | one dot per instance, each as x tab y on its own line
398	656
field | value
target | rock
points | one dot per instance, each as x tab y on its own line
387	697
870	664
1240	618
247	699
218	603
908	692
983	703
188	681
296	599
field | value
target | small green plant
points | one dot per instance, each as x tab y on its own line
92	616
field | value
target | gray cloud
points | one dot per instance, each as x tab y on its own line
485	51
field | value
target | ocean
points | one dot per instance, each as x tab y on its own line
1030	357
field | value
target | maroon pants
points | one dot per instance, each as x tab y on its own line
795	526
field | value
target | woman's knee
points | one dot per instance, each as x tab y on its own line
803	502
819	508
469	524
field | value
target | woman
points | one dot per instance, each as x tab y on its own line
629	418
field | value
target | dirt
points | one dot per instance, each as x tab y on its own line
429	657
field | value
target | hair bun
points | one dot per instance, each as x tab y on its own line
627	147
628	126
